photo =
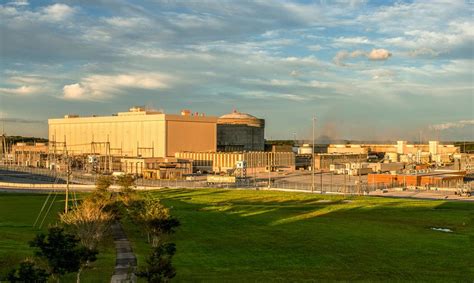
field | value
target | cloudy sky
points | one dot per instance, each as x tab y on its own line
366	69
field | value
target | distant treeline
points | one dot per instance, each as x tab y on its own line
466	147
15	139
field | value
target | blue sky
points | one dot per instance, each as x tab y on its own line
366	69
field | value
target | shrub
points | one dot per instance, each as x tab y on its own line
159	268
28	272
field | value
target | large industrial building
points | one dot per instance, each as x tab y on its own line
159	145
238	131
136	133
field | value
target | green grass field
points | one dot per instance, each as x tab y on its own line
277	236
18	212
242	236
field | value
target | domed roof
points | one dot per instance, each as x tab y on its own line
239	118
237	115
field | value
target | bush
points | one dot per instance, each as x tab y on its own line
61	251
159	268
28	272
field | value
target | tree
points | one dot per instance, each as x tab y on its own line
90	221
28	272
126	183
154	217
159	268
61	251
102	185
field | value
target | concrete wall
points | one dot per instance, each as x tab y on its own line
188	135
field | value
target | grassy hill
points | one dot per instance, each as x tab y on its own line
263	236
276	236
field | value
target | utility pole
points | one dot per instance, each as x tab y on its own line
313	160
321	178
68	172
269	170
359	173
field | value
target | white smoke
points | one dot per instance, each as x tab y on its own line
452	125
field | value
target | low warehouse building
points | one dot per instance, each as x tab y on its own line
157	168
224	161
403	151
323	161
437	178
33	155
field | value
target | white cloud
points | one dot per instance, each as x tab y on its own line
22	90
340	57
294	73
286	83
351	40
189	21
317	84
57	12
131	22
308	60
74	91
423	51
374	55
316	47
379	54
26	80
380	74
98	87
452	125
19	3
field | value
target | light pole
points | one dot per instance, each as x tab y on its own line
269	170
313	159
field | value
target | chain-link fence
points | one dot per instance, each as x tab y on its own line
79	177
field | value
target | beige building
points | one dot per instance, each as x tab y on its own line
256	161
157	167
323	161
402	151
34	155
136	133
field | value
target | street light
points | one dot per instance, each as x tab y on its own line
269	163
313	159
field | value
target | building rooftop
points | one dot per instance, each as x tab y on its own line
239	118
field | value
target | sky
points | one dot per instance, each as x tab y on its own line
367	70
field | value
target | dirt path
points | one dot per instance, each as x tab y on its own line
126	261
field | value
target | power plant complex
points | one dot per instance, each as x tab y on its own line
156	145
141	139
